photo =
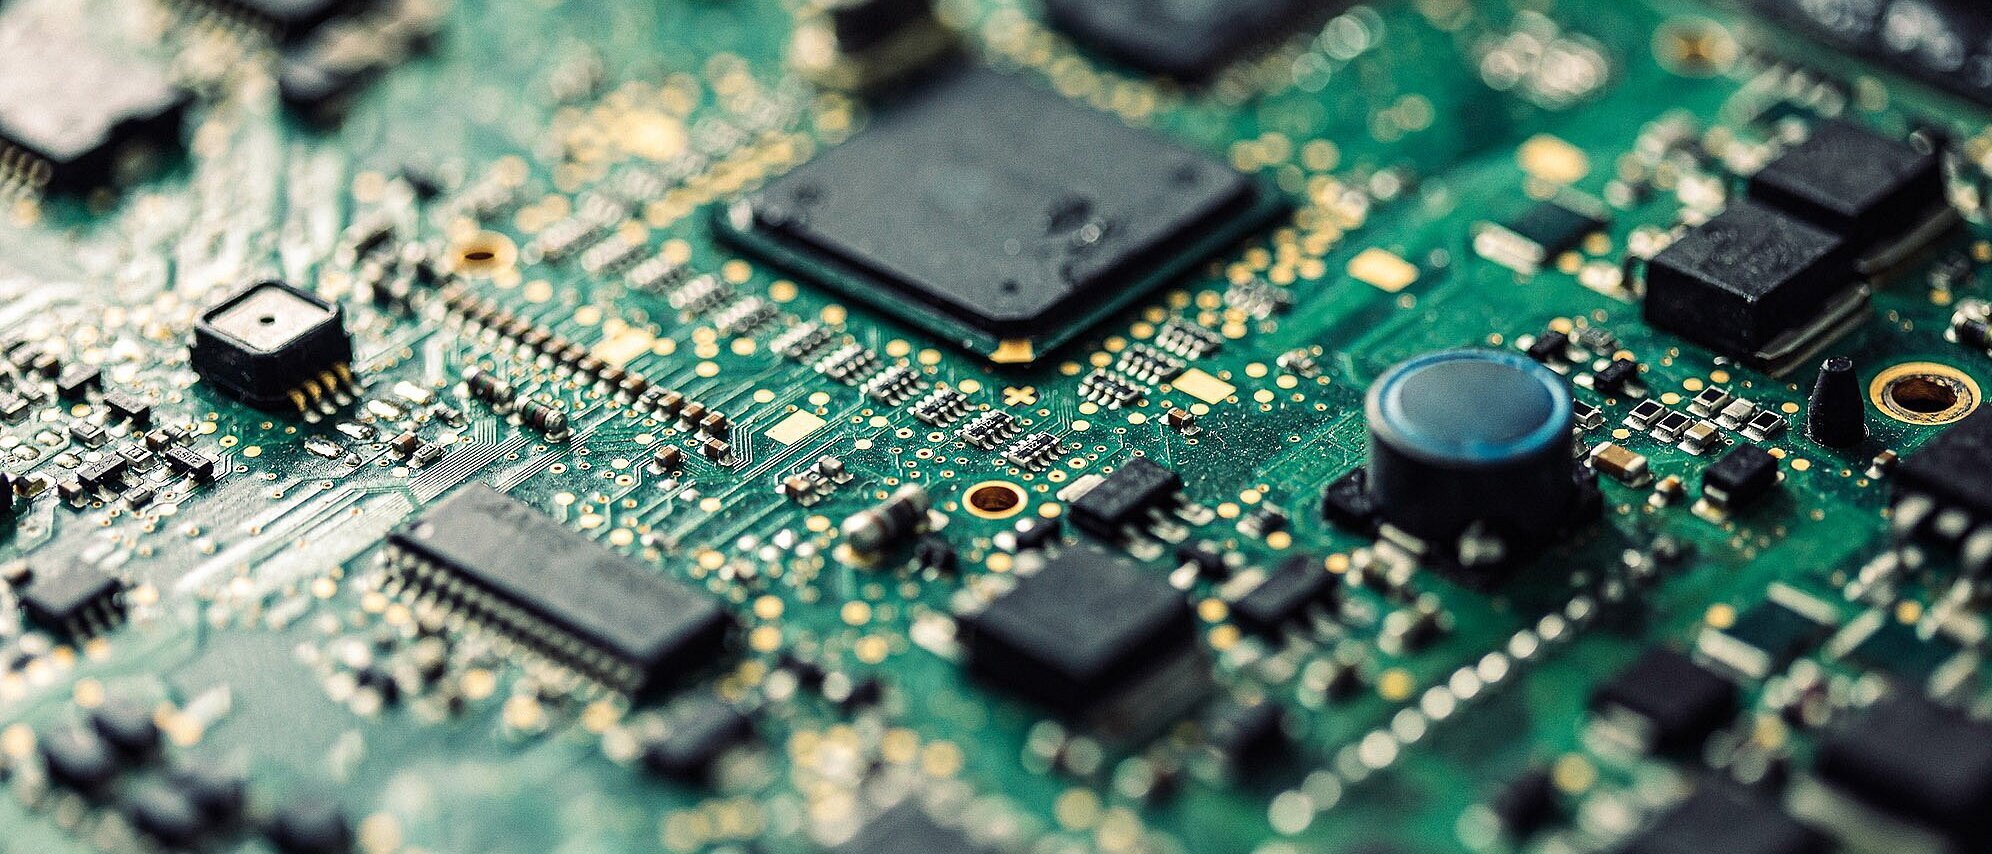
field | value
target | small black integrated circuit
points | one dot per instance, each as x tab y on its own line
73	115
1669	702
1919	761
697	733
1743	476
75	603
1763	640
1730	820
1123	501
272	345
1756	284
995	213
1540	234
1951	476
519	571
1189	40
286	20
908	829
1082	632
1285	595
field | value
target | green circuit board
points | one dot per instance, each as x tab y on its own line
437	430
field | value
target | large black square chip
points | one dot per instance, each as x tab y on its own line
1918	760
1185	39
1080	631
995	213
1753	283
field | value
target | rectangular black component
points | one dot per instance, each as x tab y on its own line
1729	820
123	405
1948	42
187	461
618	620
1082	629
272	345
1284	596
75	603
108	471
1744	475
996	213
1123	498
1554	227
1677	702
1952	471
1745	279
1854	182
699	732
287	20
1189	40
1917	760
72	115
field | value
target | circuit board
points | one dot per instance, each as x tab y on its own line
878	426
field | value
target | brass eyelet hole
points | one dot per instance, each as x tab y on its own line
483	254
1924	393
995	499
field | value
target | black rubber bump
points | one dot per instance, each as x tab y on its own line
1836	416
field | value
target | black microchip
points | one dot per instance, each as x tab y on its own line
1954	469
1186	39
1284	596
1247	733
697	733
1080	630
1853	182
1744	475
908	829
1122	500
271	345
1526	804
288	19
1918	760
993	212
1897	648
614	618
167	815
1745	278
1614	378
76	757
1546	230
313	824
1732	821
73	115
1763	641
1676	702
77	603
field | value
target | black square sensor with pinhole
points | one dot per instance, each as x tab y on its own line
266	341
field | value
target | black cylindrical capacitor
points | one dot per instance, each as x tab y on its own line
1471	436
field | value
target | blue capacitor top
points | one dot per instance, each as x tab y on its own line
1470	407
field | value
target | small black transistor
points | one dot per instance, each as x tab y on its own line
1122	499
1745	474
1675	702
